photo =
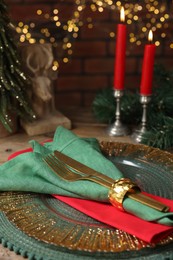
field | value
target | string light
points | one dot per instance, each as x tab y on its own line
150	14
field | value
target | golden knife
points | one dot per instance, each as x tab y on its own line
118	189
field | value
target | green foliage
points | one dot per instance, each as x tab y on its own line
104	106
160	112
160	134
13	82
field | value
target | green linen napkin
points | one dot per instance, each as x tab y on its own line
28	172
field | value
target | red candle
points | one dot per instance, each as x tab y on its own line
120	52
148	67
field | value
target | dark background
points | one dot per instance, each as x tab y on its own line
91	64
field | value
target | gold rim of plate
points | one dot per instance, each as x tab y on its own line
38	220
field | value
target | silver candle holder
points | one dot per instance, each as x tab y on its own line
117	128
141	130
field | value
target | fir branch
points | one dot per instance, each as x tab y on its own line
6	122
13	82
104	106
160	136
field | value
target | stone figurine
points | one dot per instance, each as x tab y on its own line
38	59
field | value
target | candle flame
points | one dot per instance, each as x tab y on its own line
122	14
150	36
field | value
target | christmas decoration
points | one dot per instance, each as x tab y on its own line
143	15
13	83
160	113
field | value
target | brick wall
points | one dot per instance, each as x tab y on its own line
91	66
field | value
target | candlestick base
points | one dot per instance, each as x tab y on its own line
137	135
117	129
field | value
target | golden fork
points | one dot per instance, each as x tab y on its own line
69	174
71	170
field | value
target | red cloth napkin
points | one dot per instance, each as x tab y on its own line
148	231
106	213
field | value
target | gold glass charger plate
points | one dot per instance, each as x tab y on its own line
43	227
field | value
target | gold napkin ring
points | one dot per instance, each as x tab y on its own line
119	190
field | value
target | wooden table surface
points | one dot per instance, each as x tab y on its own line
83	124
